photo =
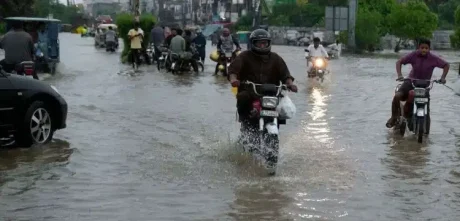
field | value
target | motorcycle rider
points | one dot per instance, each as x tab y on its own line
188	40
315	50
170	37
423	63
258	65
200	43
110	38
178	46
18	46
225	43
156	38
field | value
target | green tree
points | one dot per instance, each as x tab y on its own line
384	8
412	20
291	14
244	23
367	34
16	8
455	38
60	11
446	13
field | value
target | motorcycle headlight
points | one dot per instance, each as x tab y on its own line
269	102
319	62
420	92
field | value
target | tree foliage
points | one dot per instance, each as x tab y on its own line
291	14
412	20
10	8
42	8
455	38
367	33
446	12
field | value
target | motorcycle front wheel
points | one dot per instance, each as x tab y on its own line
271	143
420	129
200	66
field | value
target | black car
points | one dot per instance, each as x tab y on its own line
30	110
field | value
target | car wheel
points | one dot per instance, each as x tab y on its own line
37	127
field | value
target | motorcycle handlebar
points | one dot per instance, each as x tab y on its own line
412	81
280	87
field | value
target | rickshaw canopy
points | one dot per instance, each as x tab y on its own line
106	26
33	19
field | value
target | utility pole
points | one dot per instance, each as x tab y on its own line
352	13
160	9
135	9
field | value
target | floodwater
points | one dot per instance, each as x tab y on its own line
153	146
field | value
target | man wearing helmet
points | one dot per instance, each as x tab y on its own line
225	43
258	65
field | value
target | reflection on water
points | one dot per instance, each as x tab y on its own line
317	126
57	151
408	179
21	168
260	201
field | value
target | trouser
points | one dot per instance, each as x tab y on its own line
157	52
202	53
110	44
309	66
135	53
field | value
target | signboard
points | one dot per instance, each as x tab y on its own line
336	18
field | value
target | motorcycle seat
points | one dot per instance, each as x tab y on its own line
421	83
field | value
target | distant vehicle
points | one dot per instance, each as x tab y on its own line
30	110
99	38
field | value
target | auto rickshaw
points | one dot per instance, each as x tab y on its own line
49	57
99	38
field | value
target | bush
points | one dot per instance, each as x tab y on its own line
455	38
125	22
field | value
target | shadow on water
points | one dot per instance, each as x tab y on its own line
406	156
409	177
260	201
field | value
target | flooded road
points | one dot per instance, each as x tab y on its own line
154	146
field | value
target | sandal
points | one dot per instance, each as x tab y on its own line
391	122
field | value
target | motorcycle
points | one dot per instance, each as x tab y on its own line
151	53
226	58
110	46
415	111
265	131
182	62
25	68
319	67
163	58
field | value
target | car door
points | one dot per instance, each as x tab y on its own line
8	94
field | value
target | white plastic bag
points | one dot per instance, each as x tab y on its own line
286	108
